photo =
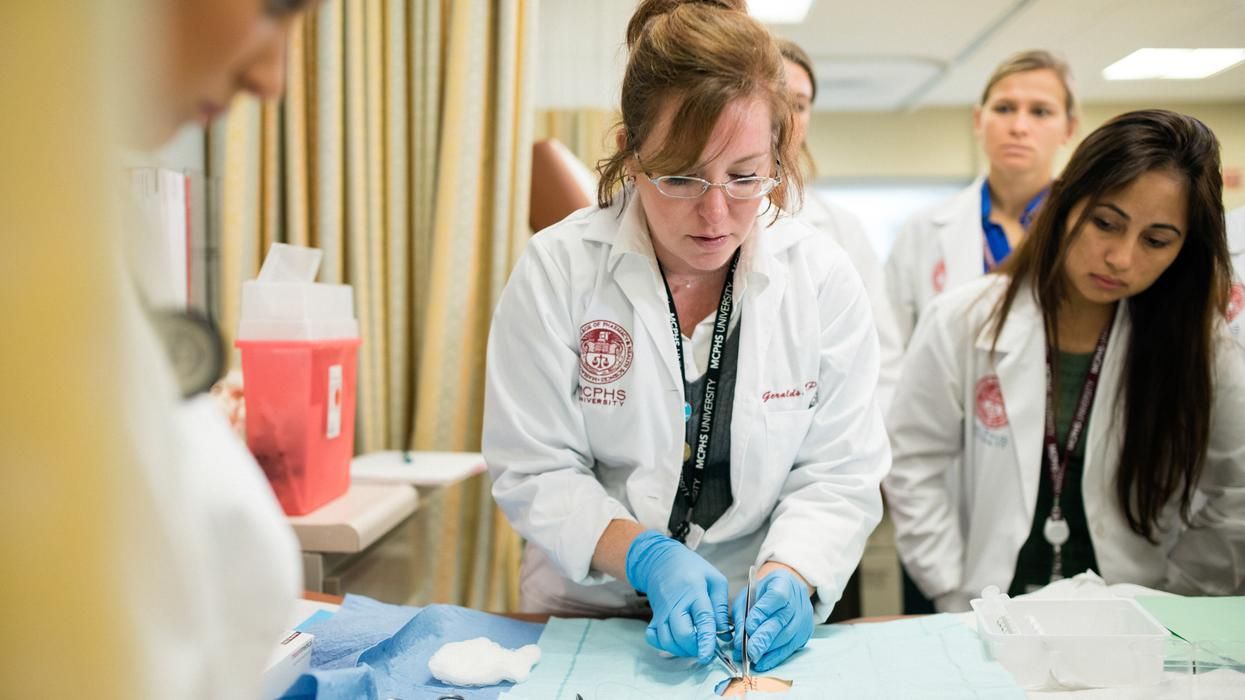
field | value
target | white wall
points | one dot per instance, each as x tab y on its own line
939	143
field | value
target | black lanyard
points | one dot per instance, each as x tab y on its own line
1056	529
694	460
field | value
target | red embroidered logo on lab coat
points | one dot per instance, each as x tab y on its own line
990	410
605	352
939	276
1237	302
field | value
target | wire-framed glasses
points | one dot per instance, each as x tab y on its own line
688	187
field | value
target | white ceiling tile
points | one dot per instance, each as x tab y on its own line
877	55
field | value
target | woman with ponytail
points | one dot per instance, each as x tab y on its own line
681	380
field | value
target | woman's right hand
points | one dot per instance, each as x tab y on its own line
688	595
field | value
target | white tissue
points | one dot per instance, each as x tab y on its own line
481	661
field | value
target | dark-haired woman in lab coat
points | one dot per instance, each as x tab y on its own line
1087	400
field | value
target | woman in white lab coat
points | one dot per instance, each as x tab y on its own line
1131	460
681	380
840	224
1027	111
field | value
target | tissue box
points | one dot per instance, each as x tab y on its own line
299	344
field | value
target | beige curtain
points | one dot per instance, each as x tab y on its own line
401	150
588	133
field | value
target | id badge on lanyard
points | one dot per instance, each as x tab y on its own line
696	457
1055	530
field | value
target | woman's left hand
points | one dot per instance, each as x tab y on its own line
780	622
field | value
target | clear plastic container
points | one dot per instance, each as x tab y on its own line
1097	643
286	303
296	311
1219	668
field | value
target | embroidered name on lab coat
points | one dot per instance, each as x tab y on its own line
810	388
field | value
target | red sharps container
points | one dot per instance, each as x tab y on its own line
299	341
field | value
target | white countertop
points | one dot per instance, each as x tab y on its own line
351	523
420	469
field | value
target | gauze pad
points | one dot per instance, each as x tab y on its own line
481	661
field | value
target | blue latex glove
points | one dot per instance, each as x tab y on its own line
688	596
781	621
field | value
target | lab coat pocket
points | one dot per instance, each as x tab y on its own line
785	432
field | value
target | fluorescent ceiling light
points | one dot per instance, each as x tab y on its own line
1173	64
779	11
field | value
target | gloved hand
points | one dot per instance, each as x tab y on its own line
688	596
780	623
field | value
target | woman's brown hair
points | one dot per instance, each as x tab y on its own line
705	54
1168	384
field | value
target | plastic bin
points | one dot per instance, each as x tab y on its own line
1098	643
299	344
300	411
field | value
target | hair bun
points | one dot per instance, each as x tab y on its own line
649	10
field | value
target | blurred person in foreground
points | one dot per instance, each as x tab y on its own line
146	554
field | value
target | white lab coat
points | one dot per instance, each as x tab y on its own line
211	566
947	416
1236	246
939	248
849	233
808	446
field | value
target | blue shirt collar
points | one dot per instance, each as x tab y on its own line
996	241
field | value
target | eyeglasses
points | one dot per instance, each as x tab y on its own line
688	187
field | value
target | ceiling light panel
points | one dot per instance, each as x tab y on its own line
1173	64
779	11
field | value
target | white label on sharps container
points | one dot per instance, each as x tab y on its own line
334	423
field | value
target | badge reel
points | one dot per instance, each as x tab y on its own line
1056	532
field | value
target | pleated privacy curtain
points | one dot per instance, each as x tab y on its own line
402	150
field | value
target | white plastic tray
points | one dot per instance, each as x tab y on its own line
1101	643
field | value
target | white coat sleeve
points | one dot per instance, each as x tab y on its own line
926	427
831	499
535	442
901	279
1209	557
